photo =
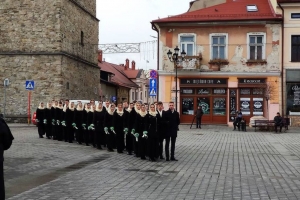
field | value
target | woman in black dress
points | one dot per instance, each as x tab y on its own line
120	125
78	121
152	141
40	116
141	130
108	127
99	114
47	120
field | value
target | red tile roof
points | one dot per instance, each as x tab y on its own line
119	77
232	10
133	74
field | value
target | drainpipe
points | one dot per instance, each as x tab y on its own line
157	80
282	39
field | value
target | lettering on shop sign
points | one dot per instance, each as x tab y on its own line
219	91
187	91
252	81
203	91
203	81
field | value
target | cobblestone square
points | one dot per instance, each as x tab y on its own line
214	163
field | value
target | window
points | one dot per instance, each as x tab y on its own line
132	96
81	38
187	106
252	8
295	15
256	46
187	43
295	48
218	42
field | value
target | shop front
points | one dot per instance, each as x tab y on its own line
220	98
211	94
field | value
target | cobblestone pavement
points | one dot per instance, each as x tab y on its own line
214	163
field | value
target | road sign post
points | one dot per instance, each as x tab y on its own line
29	85
152	87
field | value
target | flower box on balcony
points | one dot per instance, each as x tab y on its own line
256	62
218	62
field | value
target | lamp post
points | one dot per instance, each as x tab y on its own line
173	57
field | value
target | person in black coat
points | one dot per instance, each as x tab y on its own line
153	137
199	114
130	124
69	120
142	131
99	114
6	139
132	120
59	114
173	120
47	121
91	125
53	119
120	126
78	121
108	127
40	116
161	127
65	129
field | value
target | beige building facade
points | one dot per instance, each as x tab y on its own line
233	61
290	10
53	43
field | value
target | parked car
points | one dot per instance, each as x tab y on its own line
33	120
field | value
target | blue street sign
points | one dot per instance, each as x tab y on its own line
152	83
152	87
152	92
29	85
153	74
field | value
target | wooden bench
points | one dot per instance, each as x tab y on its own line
264	124
269	125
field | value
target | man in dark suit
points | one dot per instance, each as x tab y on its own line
161	127
172	117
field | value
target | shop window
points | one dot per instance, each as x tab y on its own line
258	106
295	15
293	98
187	91
188	43
245	91
232	106
205	104
219	91
245	105
295	48
187	106
219	106
258	91
256	46
218	42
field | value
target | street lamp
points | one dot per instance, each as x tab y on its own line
173	57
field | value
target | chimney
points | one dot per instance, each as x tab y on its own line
100	58
133	65
127	64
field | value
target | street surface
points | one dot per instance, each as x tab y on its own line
214	163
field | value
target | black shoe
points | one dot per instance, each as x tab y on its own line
167	159
87	145
41	137
48	137
161	157
143	158
174	159
110	150
129	153
100	148
200	127
120	151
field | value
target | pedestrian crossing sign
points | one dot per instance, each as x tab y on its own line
29	85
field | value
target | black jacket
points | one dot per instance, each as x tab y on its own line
173	123
161	124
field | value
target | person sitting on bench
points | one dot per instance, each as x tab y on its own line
278	121
237	120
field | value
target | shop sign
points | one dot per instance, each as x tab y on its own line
232	105
245	106
203	91
252	81
205	81
258	106
219	91
187	91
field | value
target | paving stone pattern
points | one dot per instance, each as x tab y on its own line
214	163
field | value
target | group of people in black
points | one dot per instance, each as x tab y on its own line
133	127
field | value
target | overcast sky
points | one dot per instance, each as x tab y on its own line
128	21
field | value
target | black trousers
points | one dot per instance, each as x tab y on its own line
79	135
110	140
173	141
41	129
2	189
120	140
160	146
280	127
198	122
129	142
48	130
236	123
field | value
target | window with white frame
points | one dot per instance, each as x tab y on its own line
187	43
256	46
218	44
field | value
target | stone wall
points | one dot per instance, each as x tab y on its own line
90	5
30	26
51	75
74	21
295	120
